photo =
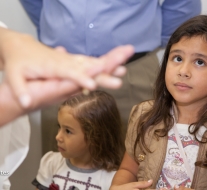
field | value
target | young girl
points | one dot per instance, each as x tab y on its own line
166	138
90	145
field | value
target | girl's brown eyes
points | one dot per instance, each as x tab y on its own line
177	59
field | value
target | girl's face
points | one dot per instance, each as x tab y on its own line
186	72
70	137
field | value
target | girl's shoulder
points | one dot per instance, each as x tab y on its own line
146	105
134	117
141	108
52	154
51	158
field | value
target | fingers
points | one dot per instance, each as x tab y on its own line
112	60
142	184
53	91
21	74
96	66
63	66
18	85
119	71
111	81
107	81
77	75
74	67
117	56
108	63
77	68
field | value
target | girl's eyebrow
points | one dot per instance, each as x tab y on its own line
67	127
200	55
176	51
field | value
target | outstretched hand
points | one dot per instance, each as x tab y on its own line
36	75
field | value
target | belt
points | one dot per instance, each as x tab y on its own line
136	56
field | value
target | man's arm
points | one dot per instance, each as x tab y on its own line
174	13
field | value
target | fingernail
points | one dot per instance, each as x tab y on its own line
176	186
149	181
25	100
90	84
116	81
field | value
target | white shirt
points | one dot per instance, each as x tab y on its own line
56	169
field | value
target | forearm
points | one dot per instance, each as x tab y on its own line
123	176
126	180
127	172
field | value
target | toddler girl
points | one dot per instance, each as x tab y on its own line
89	142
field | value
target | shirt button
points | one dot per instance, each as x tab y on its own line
91	25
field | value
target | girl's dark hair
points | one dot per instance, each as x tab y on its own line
160	110
100	120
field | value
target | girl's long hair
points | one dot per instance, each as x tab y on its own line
161	109
100	120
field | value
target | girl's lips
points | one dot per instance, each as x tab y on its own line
61	149
182	86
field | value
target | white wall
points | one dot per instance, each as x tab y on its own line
14	16
204	6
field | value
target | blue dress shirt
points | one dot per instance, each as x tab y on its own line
93	27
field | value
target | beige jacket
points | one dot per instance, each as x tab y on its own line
150	164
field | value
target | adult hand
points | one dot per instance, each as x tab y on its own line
26	60
36	75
